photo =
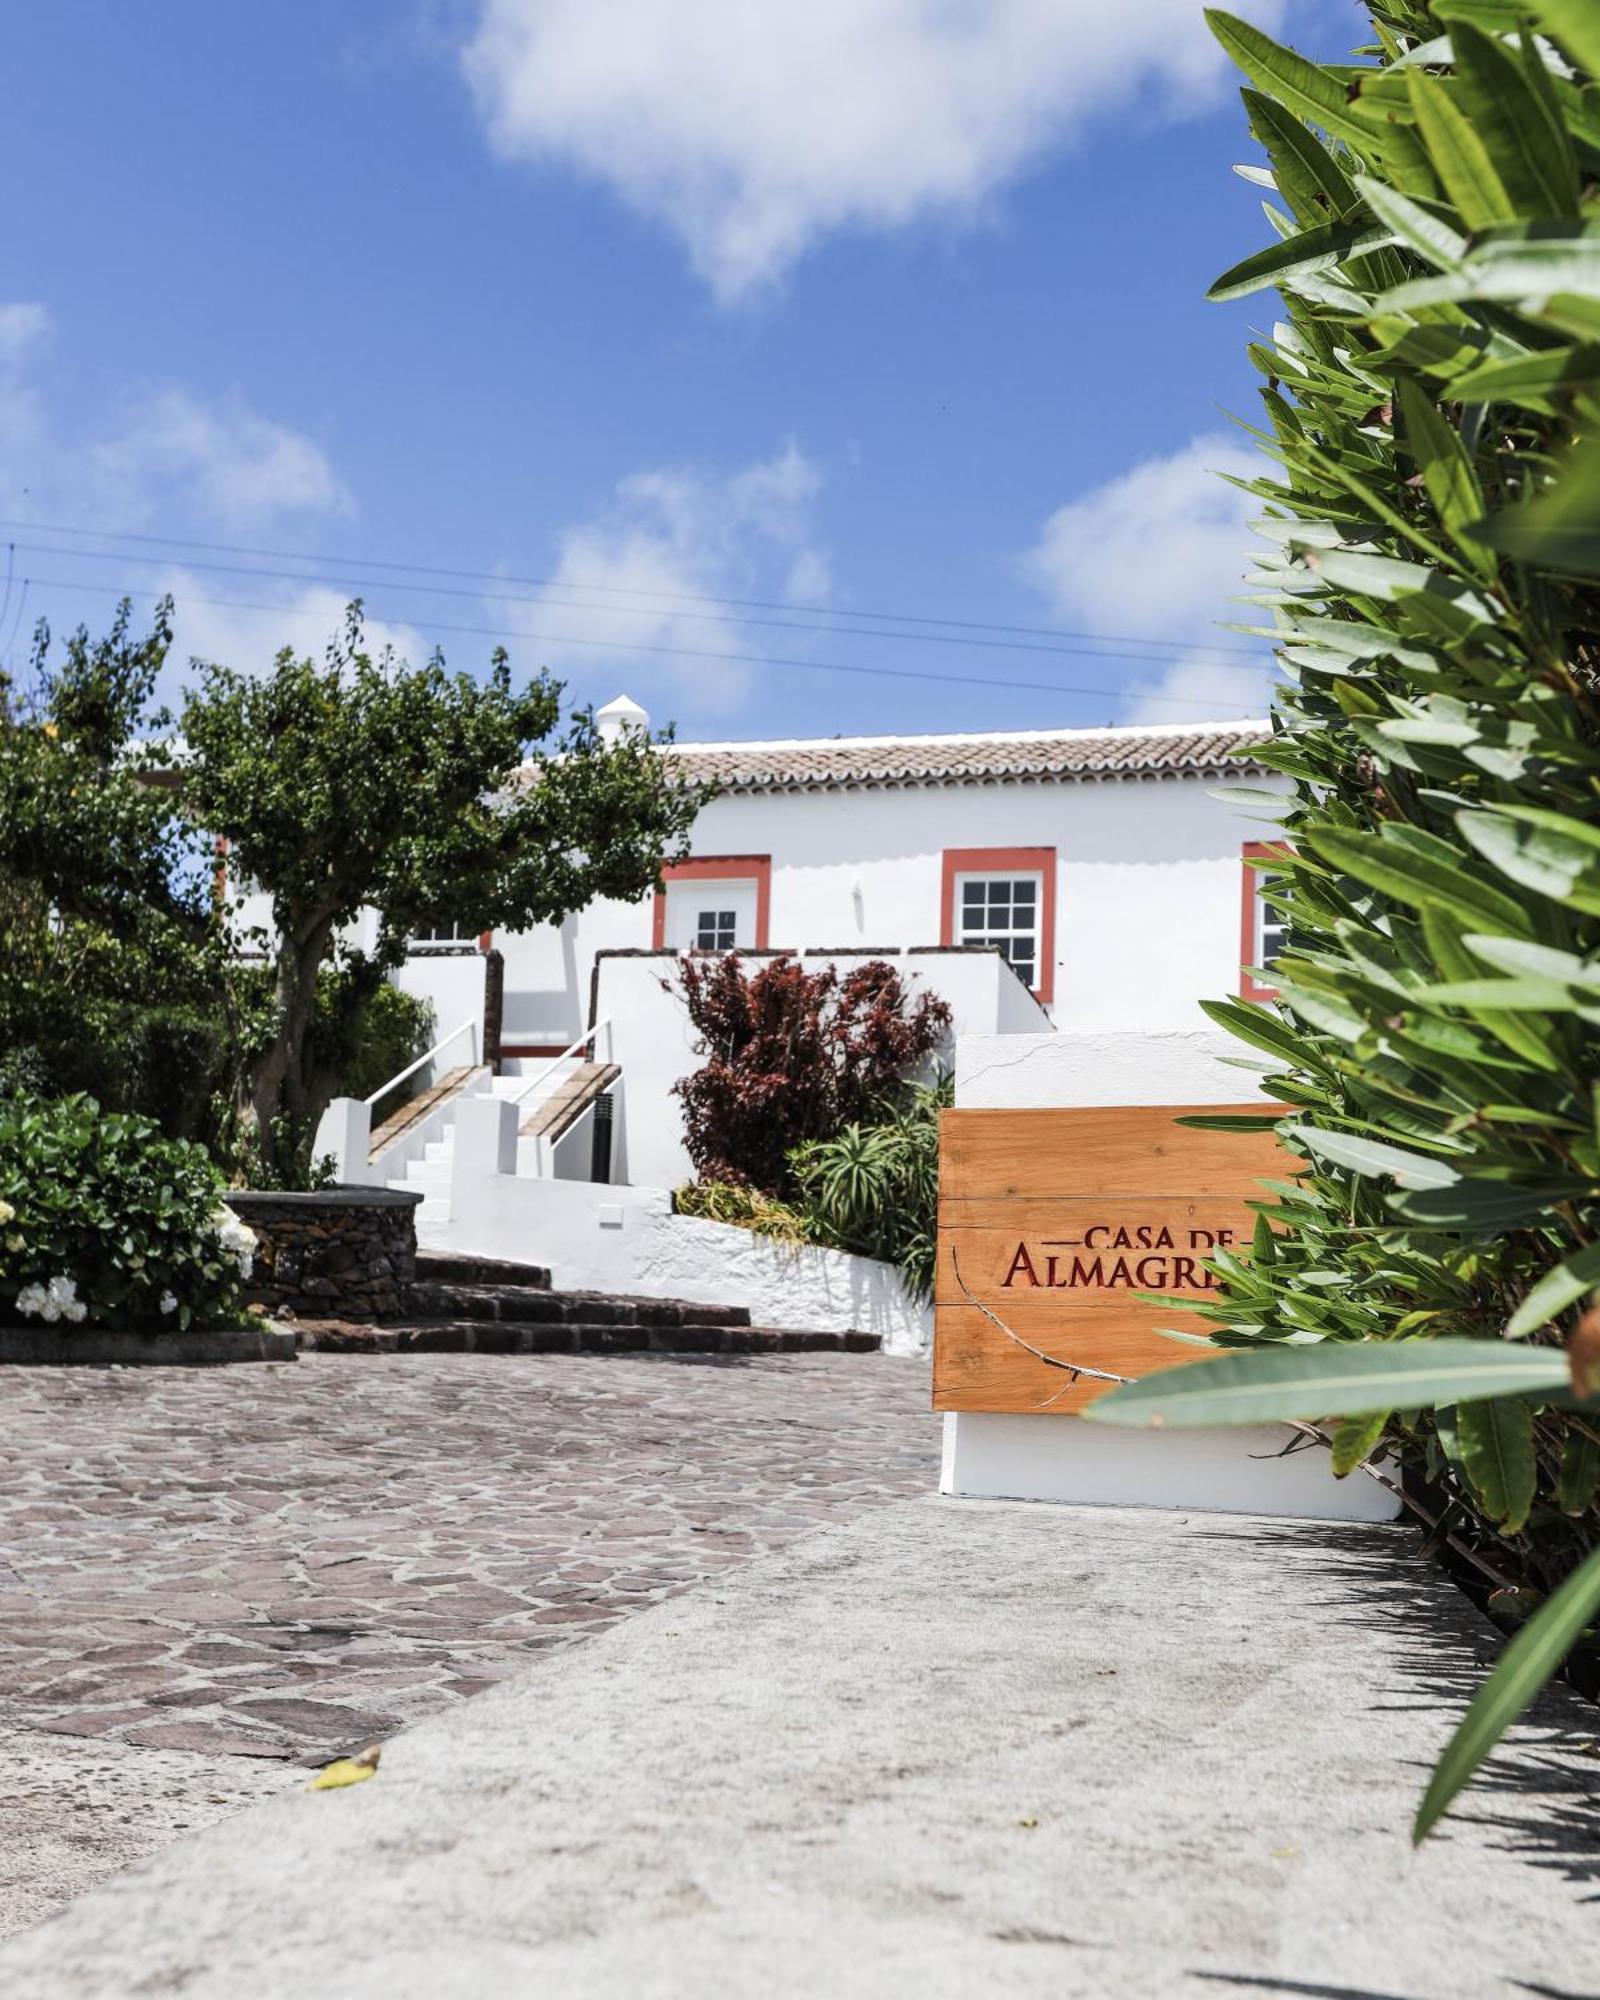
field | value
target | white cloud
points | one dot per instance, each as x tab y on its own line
157	457
1157	553
236	468
752	128
303	617
160	452
24	324
668	541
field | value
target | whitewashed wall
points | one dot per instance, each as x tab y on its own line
1147	906
627	1240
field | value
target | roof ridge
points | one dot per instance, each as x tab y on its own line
745	746
994	757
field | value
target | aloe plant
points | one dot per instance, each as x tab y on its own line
1431	576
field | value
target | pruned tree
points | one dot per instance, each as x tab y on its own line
364	783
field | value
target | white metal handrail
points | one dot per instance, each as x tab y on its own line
467	1027
546	1077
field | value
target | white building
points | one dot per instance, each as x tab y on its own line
1102	863
1088	880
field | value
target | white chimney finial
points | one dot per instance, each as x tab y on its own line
619	715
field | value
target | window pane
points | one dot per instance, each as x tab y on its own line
1003	912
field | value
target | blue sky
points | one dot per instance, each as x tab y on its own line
641	307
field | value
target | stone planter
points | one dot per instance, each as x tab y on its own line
110	1347
340	1253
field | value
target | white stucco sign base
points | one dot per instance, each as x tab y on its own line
1061	1457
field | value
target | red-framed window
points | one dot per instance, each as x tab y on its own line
712	868
1005	896
1261	928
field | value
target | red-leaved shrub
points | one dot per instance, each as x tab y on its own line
793	1055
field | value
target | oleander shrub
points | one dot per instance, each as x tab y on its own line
792	1055
1432	578
105	1221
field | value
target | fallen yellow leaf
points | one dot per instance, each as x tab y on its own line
348	1770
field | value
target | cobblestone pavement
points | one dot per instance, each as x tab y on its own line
220	1576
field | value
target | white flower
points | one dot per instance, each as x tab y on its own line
235	1237
7	1213
168	1303
64	1297
55	1301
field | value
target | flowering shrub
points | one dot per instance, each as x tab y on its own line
792	1055
105	1222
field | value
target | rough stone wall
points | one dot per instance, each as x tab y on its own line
343	1254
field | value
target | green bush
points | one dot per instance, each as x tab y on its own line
1432	409
106	1222
744	1207
874	1189
389	1031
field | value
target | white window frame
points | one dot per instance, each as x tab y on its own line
459	939
1267	919
723	922
995	934
689	898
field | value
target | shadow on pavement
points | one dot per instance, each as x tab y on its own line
1537	1792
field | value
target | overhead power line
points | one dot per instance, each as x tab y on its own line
689	652
626	611
1149	642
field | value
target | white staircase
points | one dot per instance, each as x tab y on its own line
429	1176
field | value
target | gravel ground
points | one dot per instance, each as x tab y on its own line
213	1579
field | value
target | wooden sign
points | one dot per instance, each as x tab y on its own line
1056	1221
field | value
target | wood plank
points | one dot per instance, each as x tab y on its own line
1104	1149
976	1368
1055	1214
569	1100
1084	1255
415	1109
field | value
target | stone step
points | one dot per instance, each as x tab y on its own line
470	1336
454	1267
536	1307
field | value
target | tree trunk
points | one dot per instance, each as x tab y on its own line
280	1097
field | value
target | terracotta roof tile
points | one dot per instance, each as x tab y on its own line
871	762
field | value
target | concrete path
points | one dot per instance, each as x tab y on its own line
949	1749
212	1579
